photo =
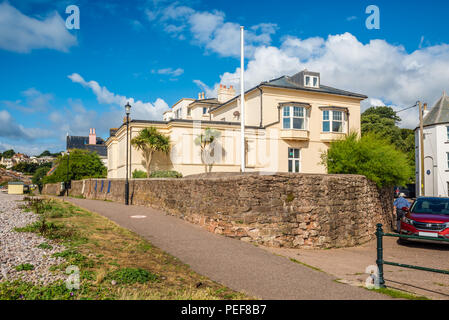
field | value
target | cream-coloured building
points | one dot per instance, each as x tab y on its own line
289	123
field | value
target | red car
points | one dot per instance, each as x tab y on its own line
428	217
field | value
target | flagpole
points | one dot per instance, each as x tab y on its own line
242	101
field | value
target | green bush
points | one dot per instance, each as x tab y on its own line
131	275
372	156
139	174
82	164
165	174
24	267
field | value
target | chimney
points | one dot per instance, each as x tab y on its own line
202	95
224	94
92	136
425	111
199	96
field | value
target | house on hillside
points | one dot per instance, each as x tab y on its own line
289	122
91	143
436	150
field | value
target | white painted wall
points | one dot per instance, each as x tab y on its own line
436	147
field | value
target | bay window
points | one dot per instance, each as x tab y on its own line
293	118
333	121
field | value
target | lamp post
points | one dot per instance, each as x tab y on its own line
127	111
67	178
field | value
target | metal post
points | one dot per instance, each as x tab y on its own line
127	182
67	179
380	259
242	100
421	151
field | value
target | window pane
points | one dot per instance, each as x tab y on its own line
290	166
286	123
326	126
298	112
296	153
298	123
307	81
337	126
286	111
297	166
337	115
290	152
204	110
315	82
447	128
326	115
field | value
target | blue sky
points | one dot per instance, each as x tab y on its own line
54	80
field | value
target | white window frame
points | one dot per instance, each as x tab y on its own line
311	84
331	120
447	133
291	116
294	160
204	111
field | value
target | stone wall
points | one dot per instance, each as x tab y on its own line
281	210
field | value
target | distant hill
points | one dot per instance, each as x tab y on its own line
8	175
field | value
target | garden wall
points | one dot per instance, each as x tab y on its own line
281	210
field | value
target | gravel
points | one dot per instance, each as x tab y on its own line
18	248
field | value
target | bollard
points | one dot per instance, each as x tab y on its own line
380	261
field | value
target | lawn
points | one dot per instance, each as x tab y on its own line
113	262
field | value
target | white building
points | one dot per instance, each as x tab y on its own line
436	150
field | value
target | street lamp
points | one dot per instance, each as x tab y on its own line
127	111
67	178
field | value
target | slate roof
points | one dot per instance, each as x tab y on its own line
77	142
286	82
439	112
290	83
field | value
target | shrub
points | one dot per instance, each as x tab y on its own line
372	156
24	267
45	245
131	275
165	174
138	174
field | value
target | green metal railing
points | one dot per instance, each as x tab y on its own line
380	261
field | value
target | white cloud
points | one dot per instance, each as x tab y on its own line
209	29
9	128
141	110
169	71
383	71
20	33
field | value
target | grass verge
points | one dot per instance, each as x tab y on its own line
113	262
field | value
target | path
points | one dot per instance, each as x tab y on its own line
234	263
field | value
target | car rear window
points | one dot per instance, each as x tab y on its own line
436	206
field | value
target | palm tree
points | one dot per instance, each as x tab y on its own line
205	141
149	141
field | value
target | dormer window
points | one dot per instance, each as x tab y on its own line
311	81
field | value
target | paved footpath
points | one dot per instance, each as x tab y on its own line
238	265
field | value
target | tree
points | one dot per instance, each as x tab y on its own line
8	153
206	142
149	141
30	168
39	175
383	121
83	164
372	156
